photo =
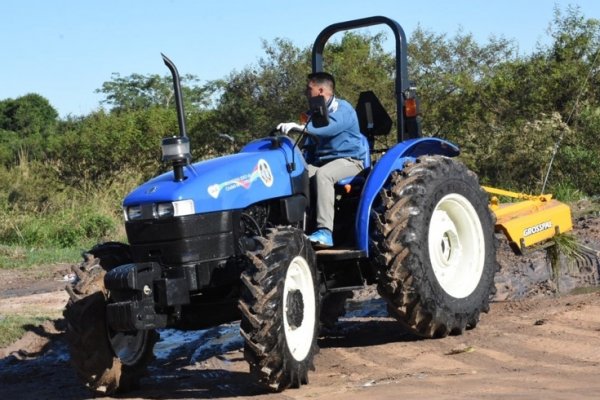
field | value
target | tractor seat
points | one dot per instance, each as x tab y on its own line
373	121
358	180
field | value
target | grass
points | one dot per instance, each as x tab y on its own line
20	257
13	327
567	246
567	193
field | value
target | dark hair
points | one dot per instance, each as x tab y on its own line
322	77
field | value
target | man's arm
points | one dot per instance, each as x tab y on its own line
338	122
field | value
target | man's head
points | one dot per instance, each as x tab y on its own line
320	84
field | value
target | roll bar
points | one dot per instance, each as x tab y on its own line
408	127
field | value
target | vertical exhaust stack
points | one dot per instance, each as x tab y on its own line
176	149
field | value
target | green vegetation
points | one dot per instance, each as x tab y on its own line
565	253
62	180
12	327
15	256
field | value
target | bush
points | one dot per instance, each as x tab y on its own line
37	210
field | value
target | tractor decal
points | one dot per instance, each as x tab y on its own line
261	171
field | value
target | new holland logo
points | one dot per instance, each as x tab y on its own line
537	228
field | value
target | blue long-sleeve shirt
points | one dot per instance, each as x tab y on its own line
341	138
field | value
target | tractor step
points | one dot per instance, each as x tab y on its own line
338	254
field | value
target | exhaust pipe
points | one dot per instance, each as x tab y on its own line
176	149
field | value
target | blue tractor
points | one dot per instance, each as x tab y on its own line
223	240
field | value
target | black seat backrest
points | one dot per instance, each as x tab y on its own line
373	120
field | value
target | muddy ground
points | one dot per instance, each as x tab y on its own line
536	342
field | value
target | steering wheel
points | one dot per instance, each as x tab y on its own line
303	132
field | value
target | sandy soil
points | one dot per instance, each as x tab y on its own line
534	343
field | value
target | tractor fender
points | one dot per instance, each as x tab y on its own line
394	160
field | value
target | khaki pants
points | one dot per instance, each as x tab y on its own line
322	181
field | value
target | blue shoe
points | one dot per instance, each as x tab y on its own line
321	238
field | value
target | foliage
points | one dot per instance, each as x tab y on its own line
25	124
102	145
20	257
41	211
450	74
28	115
138	92
254	100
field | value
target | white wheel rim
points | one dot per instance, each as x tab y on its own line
456	245
299	282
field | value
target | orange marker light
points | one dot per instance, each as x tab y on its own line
410	107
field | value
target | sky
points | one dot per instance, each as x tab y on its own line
65	49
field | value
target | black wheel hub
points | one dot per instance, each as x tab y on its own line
295	309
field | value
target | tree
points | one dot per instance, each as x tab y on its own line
28	115
25	124
508	112
102	145
449	73
254	100
136	92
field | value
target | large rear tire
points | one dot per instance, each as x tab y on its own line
107	362
434	246
280	309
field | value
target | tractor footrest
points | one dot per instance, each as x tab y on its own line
340	254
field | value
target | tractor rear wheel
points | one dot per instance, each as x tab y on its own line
280	309
106	361
434	246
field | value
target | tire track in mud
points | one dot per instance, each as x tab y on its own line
549	346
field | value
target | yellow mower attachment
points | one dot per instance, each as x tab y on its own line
531	221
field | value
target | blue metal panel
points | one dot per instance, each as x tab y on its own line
259	172
394	160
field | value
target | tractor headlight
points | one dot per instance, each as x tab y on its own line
133	213
164	210
159	210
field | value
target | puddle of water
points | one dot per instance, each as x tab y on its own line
206	343
219	340
366	308
171	340
202	344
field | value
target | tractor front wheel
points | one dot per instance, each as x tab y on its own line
280	309
106	361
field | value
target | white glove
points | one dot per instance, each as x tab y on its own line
286	127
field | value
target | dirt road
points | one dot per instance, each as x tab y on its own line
535	348
542	346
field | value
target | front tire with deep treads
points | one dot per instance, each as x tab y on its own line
434	247
280	309
106	361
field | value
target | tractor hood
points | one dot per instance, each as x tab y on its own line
257	173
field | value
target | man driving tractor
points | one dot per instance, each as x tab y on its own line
337	154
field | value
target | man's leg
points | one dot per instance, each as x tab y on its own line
325	178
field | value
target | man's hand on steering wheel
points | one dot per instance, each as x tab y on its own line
286	127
